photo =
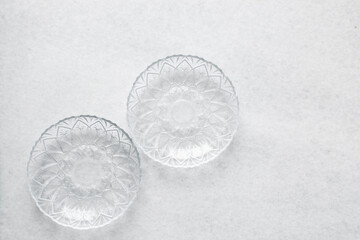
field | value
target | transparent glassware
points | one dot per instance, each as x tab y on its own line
84	172
182	111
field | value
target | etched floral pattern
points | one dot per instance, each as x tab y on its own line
183	111
84	172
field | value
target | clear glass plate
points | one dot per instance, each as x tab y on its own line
183	111
84	172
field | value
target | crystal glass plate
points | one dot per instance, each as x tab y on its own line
84	172
183	111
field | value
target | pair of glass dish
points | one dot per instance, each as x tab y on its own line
84	171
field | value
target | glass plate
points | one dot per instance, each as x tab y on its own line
84	172
183	111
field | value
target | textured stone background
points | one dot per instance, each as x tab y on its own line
293	169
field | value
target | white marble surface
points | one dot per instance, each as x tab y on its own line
293	169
